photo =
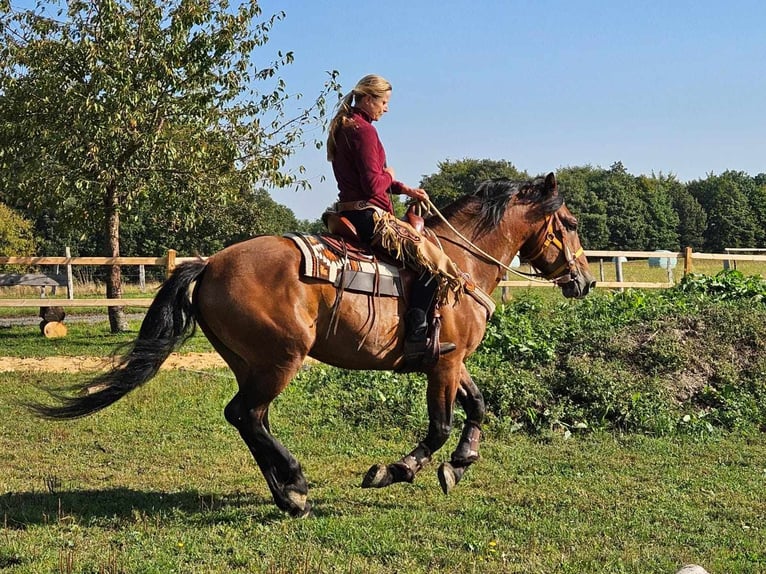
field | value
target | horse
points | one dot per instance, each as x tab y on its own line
264	319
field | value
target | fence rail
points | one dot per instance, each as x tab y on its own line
170	260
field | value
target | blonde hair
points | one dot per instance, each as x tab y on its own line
371	85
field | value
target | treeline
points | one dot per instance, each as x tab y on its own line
621	211
617	210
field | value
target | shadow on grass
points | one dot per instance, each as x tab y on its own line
19	510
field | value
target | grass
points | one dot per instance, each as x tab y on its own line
160	483
83	339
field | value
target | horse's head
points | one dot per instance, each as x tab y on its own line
555	249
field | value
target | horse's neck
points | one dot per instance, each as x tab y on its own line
501	243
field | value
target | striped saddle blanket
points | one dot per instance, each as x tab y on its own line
324	258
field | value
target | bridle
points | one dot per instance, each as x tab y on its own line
567	271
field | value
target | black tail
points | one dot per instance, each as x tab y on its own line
168	323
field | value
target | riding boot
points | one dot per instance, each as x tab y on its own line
416	341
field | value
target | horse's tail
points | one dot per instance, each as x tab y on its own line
169	322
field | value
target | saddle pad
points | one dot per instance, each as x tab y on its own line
320	262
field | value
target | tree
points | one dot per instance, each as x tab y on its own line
16	234
733	207
692	220
455	179
577	185
662	219
119	103
627	214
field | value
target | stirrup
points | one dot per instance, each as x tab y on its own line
420	355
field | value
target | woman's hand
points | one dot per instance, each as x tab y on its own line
416	193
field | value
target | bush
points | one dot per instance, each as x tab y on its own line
16	234
678	360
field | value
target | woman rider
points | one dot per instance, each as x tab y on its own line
365	183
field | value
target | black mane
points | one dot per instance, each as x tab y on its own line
488	203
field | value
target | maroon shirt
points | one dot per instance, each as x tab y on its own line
359	164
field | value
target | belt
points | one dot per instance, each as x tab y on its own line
354	205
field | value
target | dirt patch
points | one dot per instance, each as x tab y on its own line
189	361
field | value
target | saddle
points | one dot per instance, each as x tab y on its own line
350	266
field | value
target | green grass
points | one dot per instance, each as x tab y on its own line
82	339
160	483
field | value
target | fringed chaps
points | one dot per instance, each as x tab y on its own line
411	249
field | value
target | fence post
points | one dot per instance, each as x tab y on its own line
618	270
142	278
688	267
170	263
69	280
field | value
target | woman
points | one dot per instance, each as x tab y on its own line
365	183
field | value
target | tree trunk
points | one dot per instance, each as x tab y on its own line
117	320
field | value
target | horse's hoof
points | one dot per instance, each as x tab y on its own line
377	477
304	512
447	477
301	506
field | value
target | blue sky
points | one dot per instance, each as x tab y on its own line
672	86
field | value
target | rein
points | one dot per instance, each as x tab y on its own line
548	238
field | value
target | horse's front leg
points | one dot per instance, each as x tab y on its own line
442	386
467	451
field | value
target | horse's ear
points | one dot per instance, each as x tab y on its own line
551	186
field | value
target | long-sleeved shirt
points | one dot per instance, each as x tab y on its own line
359	164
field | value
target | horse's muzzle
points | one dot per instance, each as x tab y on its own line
578	286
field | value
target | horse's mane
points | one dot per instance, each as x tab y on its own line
486	206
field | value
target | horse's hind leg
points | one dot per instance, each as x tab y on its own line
248	412
467	451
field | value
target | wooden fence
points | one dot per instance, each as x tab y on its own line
169	261
686	259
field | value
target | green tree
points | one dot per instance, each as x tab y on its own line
17	237
458	178
577	185
692	220
119	103
627	213
732	220
662	219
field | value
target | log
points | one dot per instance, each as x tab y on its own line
54	330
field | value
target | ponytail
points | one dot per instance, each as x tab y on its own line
342	116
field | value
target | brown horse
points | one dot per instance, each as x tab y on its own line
264	319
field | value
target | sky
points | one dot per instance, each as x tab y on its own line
673	86
663	86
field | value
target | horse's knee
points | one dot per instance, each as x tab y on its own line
472	401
